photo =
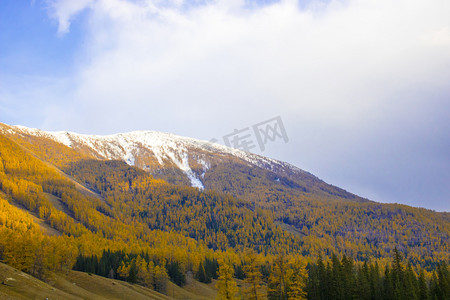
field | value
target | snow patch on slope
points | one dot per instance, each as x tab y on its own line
62	137
164	146
183	164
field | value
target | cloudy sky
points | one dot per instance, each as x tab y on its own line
362	86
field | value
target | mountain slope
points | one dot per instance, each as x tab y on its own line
275	204
15	284
192	162
116	220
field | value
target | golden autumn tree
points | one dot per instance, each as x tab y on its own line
161	278
145	272
299	277
124	270
279	278
253	276
226	284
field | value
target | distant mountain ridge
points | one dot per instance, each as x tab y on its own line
189	161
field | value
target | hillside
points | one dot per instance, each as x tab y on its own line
15	284
188	161
253	215
318	214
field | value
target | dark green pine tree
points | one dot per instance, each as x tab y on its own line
323	279
435	291
348	278
92	264
422	287
103	267
443	280
175	273
239	272
410	284
80	264
398	277
376	287
336	278
388	287
201	274
330	291
364	282
313	283
211	268
132	276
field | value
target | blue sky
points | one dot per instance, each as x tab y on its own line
362	86
30	45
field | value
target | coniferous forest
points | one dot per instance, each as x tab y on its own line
62	210
286	277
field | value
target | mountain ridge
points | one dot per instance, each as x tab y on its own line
186	160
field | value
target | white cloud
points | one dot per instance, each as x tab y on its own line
65	10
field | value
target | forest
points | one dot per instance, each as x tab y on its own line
286	277
118	221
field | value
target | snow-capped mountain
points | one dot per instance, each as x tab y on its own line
188	161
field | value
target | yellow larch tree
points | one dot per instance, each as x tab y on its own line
226	284
297	288
253	276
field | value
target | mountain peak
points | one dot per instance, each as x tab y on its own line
164	147
189	161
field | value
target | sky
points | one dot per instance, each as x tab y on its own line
362	86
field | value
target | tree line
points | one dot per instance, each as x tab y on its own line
282	277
